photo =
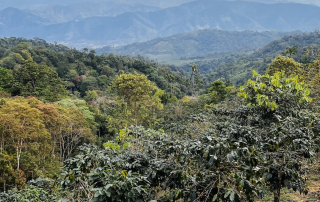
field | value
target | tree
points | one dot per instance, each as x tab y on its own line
23	127
38	80
288	132
290	50
194	73
91	95
171	79
288	65
136	91
9	177
6	80
218	91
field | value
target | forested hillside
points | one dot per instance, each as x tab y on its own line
198	44
77	126
237	67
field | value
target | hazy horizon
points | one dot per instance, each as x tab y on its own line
22	4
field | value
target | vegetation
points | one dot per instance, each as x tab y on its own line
75	126
206	43
237	66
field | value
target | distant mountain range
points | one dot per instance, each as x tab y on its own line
61	14
137	23
205	43
31	3
157	3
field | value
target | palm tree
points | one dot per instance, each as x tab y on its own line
170	79
291	51
194	71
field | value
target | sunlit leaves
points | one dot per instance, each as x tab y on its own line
271	91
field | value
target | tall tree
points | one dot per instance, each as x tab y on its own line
194	73
291	51
171	79
288	137
137	92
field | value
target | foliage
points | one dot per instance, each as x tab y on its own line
136	93
5	80
288	65
278	91
38	190
173	99
205	43
34	136
291	50
290	134
230	155
237	67
218	91
91	95
38	80
235	149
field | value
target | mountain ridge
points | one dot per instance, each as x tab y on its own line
130	27
197	43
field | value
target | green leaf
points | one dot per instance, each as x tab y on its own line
227	194
215	198
232	196
211	160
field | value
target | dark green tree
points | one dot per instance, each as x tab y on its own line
6	80
291	51
39	81
218	91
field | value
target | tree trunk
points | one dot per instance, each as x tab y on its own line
277	193
18	159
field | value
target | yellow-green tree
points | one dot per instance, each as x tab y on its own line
27	129
137	98
286	64
36	135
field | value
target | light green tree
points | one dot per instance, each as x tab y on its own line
91	95
137	98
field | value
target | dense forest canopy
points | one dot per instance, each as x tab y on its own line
77	126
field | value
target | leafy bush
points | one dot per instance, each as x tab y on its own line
39	190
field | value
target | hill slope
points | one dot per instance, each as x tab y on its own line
197	44
239	70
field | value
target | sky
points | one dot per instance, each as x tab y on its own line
160	3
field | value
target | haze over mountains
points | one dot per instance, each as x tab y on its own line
110	23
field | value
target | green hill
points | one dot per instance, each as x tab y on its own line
198	44
237	67
82	71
